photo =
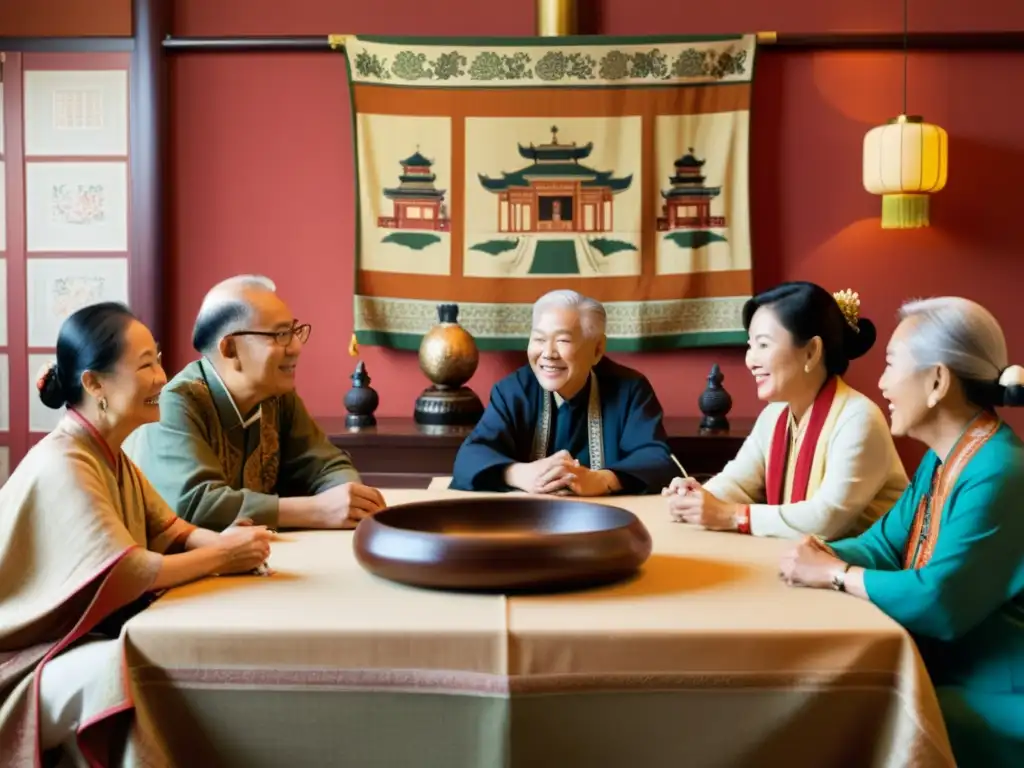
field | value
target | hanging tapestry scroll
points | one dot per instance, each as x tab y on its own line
490	171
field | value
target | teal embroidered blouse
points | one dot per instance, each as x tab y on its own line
965	606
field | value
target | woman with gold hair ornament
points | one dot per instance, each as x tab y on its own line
819	460
947	561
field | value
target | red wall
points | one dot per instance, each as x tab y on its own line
65	18
262	170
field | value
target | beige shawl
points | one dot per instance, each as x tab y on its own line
77	542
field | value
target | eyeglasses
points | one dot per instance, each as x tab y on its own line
281	338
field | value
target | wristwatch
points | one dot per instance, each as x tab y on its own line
839	580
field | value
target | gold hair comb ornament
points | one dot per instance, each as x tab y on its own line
849	305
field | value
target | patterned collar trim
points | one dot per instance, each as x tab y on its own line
244	423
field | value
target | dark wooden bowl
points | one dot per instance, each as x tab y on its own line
496	543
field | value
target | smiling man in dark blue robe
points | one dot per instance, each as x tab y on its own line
571	421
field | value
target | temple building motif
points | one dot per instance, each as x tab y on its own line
555	193
688	200
418	204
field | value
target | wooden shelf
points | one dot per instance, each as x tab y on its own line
399	453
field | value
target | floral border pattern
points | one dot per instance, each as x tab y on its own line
571	65
630	319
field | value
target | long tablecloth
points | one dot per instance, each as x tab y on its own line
704	659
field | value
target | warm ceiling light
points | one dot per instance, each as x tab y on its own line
905	161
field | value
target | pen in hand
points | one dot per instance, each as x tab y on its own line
679	464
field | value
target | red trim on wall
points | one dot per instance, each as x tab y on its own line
79	255
6	395
3	252
17	330
151	23
66	18
76	158
75	61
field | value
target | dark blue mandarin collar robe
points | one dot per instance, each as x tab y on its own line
635	443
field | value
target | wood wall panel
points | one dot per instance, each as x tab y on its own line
52	269
65	18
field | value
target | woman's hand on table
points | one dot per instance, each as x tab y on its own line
244	547
810	563
688	502
679	485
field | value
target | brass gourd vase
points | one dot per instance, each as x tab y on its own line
448	357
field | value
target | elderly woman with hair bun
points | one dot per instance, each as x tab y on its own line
947	561
85	542
819	459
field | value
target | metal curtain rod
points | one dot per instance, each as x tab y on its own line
302	43
855	41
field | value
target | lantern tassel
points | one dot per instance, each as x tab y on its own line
904	211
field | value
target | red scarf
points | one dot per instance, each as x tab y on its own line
778	457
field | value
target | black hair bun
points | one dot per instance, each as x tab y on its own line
1013	397
50	390
1011	384
857	343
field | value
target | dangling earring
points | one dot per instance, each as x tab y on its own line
103	405
807	368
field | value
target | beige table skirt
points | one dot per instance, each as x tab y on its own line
704	659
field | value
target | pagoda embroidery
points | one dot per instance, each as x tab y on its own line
555	193
688	200
417	203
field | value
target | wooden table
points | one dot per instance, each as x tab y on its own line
398	453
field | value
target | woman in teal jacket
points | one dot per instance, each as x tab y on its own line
947	561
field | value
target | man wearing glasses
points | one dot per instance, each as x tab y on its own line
234	440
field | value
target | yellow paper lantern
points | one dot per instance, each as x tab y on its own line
905	161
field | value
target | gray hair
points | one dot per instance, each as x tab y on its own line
957	333
225	309
593	317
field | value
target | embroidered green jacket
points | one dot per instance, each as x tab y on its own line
211	466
